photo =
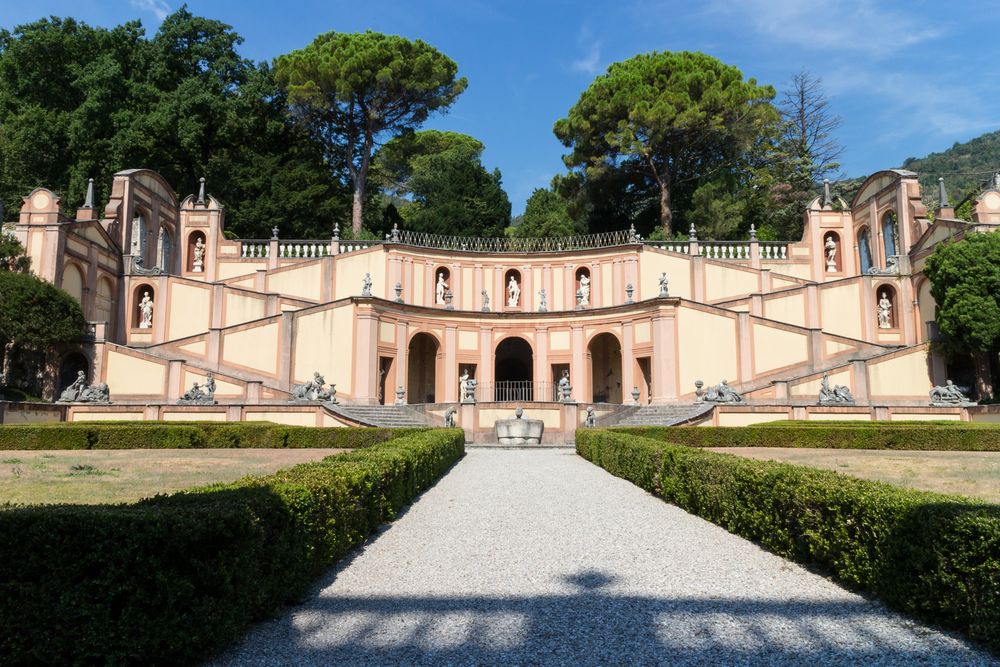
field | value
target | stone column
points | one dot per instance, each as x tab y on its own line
450	377
541	349
578	371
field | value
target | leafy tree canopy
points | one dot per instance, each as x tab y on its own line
673	116
12	257
353	90
965	283
78	101
546	214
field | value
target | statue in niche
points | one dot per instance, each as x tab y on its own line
146	312
199	256
513	293
838	394
440	289
463	384
584	290
949	394
831	253
565	388
366	285
543	303
884	312
663	285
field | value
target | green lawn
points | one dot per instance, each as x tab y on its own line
974	474
113	476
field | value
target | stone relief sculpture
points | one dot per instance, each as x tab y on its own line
831	253
565	388
146	312
513	293
884	312
366	285
440	289
80	392
949	394
199	256
314	390
720	393
584	290
891	268
838	394
663	285
486	301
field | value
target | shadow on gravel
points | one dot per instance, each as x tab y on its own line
593	626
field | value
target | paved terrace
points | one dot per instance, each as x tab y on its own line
538	557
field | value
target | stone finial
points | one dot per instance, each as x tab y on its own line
942	194
753	232
274	233
692	233
336	231
201	191
827	199
88	201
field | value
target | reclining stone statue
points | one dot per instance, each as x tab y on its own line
838	394
720	393
200	394
949	394
80	392
314	390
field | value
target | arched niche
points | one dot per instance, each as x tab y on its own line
70	367
864	250
421	368
886	307
513	300
442	285
143	312
605	353
196	252
104	300
73	281
165	248
890	235
832	245
583	294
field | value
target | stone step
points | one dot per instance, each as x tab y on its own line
656	415
390	416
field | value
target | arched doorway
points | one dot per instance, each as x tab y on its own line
513	370
421	369
605	354
71	365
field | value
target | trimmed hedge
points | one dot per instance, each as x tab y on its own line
835	435
168	580
934	556
189	435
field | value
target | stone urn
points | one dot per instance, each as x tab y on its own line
519	431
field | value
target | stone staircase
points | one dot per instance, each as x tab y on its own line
656	415
388	416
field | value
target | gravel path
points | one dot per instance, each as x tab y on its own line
539	557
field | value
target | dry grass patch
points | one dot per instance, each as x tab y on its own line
975	474
116	476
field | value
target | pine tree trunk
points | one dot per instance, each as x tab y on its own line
356	211
984	376
666	215
8	348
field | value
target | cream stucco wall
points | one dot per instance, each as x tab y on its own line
841	310
790	309
840	416
351	269
194	416
130	375
905	376
724	282
706	348
288	418
776	348
923	417
233	269
559	340
255	347
550	417
124	416
189	310
678	270
323	342
303	282
796	270
750	418
242	308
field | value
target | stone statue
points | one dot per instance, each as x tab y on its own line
200	394
314	390
831	253
449	417
463	384
146	312
366	285
591	420
543	304
513	293
199	256
440	289
80	392
486	301
565	388
584	290
470	391
720	393
949	394
838	394
884	312
663	285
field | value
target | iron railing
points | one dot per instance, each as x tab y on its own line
480	244
516	390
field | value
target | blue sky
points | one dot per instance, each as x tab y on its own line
908	78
